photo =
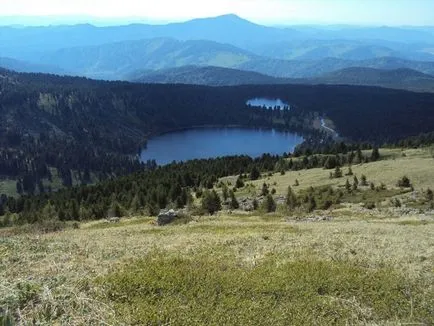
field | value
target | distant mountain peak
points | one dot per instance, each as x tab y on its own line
227	18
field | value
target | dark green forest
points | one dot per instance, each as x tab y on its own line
172	185
95	129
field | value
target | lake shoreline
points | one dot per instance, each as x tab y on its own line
209	141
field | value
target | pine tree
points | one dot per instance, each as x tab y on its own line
49	211
429	194
254	174
348	186
291	199
356	181
269	205
234	202
338	172
225	192
375	156
211	202
311	204
75	210
264	190
19	187
240	182
364	181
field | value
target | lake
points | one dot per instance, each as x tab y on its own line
268	103
214	142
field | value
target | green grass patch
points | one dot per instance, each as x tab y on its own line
8	187
121	223
414	222
371	196
239	228
205	289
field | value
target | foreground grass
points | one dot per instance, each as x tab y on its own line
200	289
222	270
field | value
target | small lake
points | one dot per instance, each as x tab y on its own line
214	142
268	103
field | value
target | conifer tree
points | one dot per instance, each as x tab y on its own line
234	202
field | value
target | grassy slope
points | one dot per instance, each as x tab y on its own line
234	269
417	164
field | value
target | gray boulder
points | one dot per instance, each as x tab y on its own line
166	217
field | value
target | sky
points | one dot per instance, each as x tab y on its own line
272	12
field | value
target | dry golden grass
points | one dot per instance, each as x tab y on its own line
61	267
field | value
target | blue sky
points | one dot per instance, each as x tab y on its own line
362	12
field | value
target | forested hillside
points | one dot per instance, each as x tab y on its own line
76	124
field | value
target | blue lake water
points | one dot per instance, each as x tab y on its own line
214	142
268	103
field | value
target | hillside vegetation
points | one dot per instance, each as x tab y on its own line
402	78
344	265
82	130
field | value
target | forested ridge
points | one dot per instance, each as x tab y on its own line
171	185
96	128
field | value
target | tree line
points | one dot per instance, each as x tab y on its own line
151	190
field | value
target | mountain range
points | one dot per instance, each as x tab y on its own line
313	54
401	78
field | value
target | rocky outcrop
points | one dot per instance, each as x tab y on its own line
166	217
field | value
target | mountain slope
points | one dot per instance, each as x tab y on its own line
118	60
402	78
295	42
25	43
23	66
398	78
212	76
316	68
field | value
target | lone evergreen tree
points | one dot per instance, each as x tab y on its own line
269	205
264	190
356	181
348	186
338	172
429	194
375	156
363	180
240	182
291	199
254	174
211	202
311	206
234	202
225	192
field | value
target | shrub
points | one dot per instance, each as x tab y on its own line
369	205
404	182
429	195
240	182
211	202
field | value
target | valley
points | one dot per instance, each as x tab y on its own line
156	170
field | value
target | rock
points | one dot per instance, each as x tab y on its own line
166	217
280	200
316	219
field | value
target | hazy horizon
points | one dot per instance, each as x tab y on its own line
267	12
